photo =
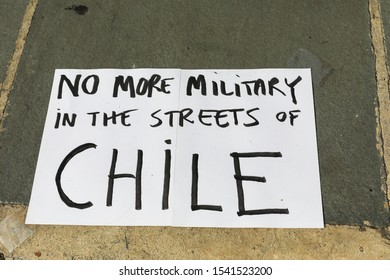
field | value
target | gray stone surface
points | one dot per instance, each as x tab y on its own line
213	34
11	16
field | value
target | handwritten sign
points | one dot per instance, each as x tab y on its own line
204	148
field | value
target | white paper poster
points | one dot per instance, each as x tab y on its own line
203	148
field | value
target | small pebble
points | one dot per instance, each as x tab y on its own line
38	253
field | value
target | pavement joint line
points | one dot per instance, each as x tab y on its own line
6	86
382	83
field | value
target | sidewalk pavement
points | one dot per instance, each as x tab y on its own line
342	41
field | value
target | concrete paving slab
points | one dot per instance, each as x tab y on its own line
213	34
134	243
11	15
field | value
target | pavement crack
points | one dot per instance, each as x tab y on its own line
272	245
127	242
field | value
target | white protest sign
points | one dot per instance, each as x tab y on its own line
205	148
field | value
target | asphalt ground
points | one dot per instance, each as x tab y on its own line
333	38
